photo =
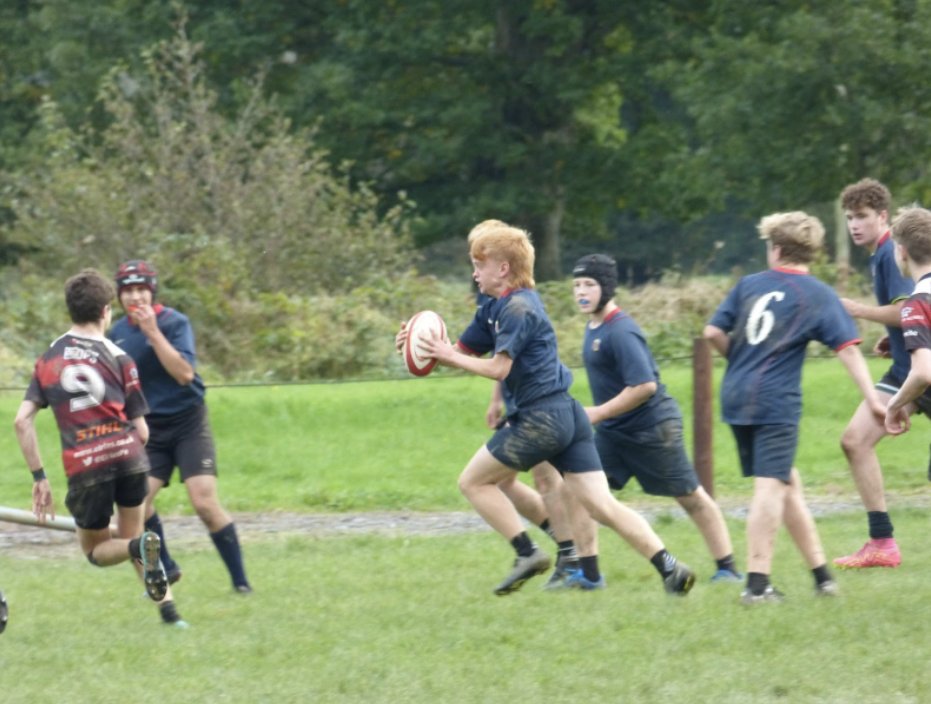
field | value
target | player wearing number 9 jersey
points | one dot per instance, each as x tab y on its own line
93	389
763	328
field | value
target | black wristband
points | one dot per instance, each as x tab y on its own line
38	474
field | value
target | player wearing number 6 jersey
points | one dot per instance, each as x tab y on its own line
93	389
763	328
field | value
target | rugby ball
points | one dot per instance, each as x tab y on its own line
423	324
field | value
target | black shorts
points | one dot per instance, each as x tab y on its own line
890	384
184	441
766	450
92	506
654	456
557	430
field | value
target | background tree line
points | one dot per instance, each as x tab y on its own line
290	164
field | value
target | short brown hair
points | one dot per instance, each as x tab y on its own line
798	235
500	241
866	193
87	294
912	229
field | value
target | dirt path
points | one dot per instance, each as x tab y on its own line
29	542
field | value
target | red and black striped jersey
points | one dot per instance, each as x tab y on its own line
916	317
93	389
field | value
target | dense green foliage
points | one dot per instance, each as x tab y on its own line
279	159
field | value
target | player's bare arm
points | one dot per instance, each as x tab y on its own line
718	339
851	357
142	429
889	315
42	503
629	399
173	361
900	408
496	367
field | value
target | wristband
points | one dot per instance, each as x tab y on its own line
38	474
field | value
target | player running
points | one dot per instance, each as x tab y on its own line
638	426
93	389
763	328
545	422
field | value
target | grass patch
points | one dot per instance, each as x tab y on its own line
389	619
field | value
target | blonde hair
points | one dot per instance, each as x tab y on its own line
911	228
798	235
493	239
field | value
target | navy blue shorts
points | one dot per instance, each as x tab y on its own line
183	441
92	506
654	456
557	431
766	450
890	384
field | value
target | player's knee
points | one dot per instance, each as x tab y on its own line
91	559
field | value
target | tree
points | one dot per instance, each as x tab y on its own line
478	110
245	202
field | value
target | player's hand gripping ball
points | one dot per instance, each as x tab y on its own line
422	325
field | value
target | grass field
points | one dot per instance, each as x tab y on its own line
411	618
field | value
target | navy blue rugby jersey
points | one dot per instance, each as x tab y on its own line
616	356
517	324
166	396
890	286
771	317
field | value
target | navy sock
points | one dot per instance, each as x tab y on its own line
757	582
822	575
880	525
154	524
589	567
567	552
664	563
523	544
228	546
727	563
548	529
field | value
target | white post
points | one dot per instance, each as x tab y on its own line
15	515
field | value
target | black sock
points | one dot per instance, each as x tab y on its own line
567	553
727	563
227	544
548	529
880	525
757	582
523	544
589	567
822	575
135	549
154	524
169	612
664	563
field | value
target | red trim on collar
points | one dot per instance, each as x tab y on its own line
788	270
882	239
612	315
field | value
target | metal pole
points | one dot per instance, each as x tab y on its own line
702	413
27	518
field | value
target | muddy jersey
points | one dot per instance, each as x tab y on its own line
916	316
93	389
517	324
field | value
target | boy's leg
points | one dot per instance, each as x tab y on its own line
859	441
709	519
763	520
202	490
479	484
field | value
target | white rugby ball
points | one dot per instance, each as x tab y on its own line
422	325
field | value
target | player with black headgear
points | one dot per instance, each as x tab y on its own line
161	341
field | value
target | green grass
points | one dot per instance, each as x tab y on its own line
412	619
391	619
401	444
